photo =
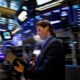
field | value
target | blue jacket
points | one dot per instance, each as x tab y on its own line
50	63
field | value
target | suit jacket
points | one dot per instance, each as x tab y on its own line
50	63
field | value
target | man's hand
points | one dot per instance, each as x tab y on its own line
19	68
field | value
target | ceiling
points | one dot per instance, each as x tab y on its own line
8	9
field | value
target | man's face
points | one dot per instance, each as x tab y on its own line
42	32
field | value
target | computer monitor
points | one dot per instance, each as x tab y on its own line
22	16
6	35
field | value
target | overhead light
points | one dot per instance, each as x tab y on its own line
40	2
55	22
47	6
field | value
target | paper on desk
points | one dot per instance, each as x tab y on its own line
10	57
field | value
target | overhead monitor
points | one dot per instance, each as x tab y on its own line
6	35
22	16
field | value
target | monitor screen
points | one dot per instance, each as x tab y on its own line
17	40
6	35
22	16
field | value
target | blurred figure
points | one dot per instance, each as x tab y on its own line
50	62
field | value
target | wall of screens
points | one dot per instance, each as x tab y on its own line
55	17
61	18
10	4
76	14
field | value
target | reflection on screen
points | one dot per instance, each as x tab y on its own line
17	40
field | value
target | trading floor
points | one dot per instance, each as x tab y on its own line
20	38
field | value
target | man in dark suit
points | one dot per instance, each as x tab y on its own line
50	63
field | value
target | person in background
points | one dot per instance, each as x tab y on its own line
50	62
